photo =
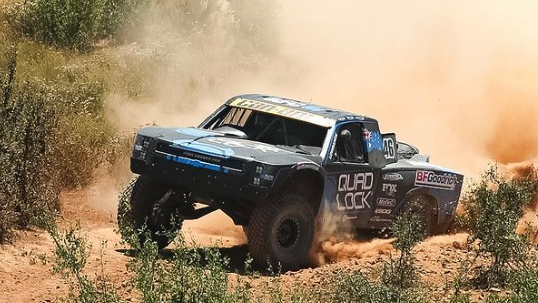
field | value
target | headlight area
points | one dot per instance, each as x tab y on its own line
141	147
262	175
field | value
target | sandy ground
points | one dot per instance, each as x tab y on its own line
25	266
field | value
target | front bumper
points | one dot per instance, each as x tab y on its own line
206	181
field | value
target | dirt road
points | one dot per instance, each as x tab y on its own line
25	266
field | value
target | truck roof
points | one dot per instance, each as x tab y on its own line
313	113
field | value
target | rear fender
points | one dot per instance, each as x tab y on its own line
444	205
431	194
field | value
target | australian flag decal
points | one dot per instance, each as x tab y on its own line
373	139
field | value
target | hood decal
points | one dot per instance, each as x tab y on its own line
253	145
203	148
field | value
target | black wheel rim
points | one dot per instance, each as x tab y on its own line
288	233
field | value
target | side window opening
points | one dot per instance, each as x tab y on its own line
350	144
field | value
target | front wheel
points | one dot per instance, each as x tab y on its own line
281	231
153	206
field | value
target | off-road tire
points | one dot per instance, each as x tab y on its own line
143	209
124	217
281	232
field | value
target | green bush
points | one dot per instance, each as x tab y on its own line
70	257
494	207
74	24
53	133
401	273
524	286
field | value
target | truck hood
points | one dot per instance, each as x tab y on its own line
219	145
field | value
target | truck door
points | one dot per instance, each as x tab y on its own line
351	180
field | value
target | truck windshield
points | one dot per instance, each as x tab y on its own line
300	136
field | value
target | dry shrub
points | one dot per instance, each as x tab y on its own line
493	209
52	136
28	126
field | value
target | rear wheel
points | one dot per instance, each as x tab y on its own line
421	206
154	206
281	231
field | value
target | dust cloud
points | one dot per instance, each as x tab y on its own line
188	57
455	78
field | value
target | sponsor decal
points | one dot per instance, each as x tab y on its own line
386	202
390	189
267	177
243	144
354	191
283	111
432	179
348	218
392	177
352	118
383	211
373	140
389	148
379	219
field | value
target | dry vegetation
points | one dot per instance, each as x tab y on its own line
56	75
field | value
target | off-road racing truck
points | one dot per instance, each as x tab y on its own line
282	168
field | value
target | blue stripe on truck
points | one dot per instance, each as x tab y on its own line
197	163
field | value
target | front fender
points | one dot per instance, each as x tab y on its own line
285	174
